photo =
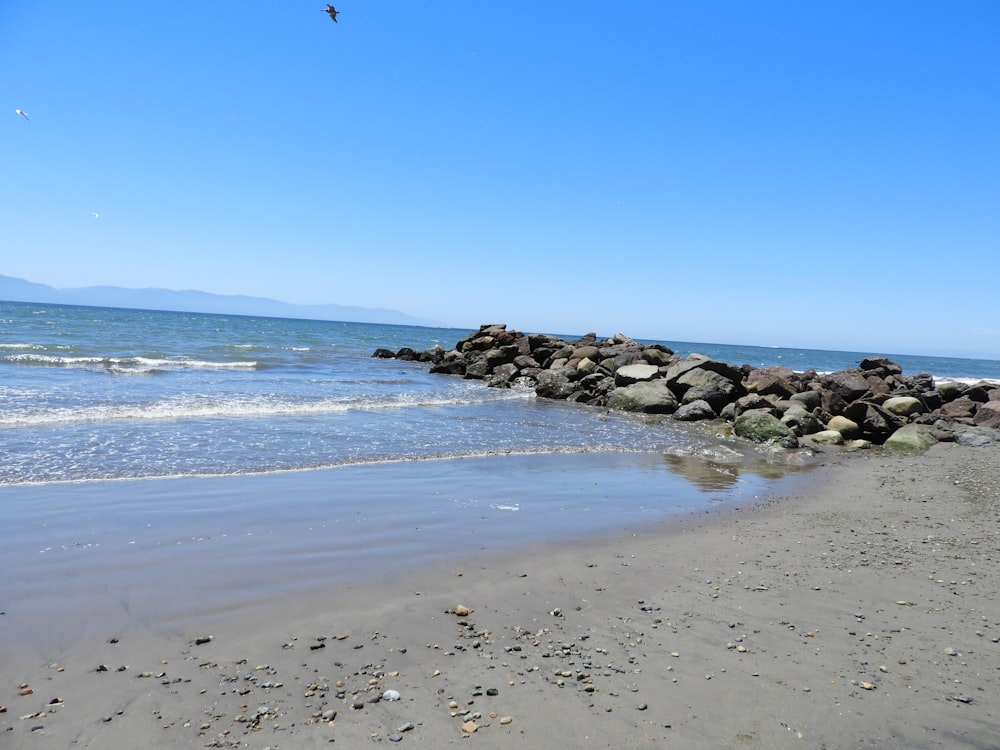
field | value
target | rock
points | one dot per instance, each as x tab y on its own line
882	364
462	611
911	438
801	421
973	438
554	384
876	423
648	397
988	415
701	384
827	437
844	426
850	385
904	406
694	411
761	427
470	727
635	373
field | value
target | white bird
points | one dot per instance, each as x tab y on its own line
23	114
95	215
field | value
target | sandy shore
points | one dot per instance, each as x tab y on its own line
861	611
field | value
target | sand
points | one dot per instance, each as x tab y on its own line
858	611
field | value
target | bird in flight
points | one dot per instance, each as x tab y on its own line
23	114
332	12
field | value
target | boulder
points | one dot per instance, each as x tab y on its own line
988	415
911	438
453	363
881	366
770	385
850	385
875	422
752	401
649	397
700	384
761	427
844	426
694	411
904	406
827	437
658	356
554	384
801	421
810	399
635	373
975	437
962	409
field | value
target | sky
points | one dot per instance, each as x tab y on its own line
772	173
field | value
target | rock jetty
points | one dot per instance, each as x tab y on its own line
874	403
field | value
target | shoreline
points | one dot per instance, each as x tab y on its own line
855	608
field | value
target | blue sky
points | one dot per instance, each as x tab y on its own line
807	174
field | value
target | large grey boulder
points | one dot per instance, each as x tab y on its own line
700	384
635	373
911	438
649	397
694	411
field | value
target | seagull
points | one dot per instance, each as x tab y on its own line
95	215
333	12
25	114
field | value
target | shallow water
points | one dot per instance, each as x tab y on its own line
178	553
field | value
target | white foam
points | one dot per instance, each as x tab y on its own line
251	407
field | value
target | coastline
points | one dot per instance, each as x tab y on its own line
854	608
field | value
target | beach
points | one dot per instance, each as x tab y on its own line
853	606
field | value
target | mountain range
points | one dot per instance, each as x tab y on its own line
19	290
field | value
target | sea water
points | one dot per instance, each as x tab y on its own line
91	393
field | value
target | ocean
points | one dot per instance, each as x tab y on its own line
92	393
167	469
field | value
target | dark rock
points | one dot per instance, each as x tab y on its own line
875	423
694	411
849	385
554	384
701	384
886	366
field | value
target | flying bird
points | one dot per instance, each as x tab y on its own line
25	114
332	12
95	214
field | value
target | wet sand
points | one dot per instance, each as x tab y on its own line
854	607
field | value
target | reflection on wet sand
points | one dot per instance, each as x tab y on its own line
713	475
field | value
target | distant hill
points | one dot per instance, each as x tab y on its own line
19	290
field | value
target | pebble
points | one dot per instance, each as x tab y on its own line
470	727
506	719
395	738
461	610
390	695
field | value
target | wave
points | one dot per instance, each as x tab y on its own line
255	407
126	365
342	463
